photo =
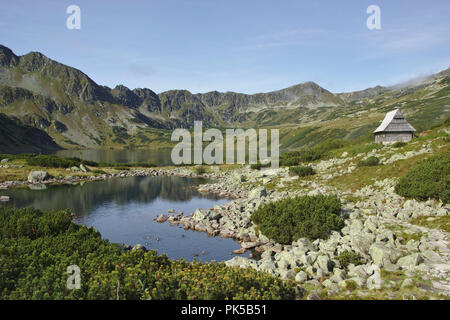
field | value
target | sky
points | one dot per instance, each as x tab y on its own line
244	46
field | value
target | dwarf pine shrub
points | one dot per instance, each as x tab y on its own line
302	171
399	144
37	247
428	179
199	170
369	162
289	219
347	257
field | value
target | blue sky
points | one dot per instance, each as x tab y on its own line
244	46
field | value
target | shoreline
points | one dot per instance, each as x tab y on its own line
396	253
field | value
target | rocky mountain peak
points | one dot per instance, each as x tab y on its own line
7	57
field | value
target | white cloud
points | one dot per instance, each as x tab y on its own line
400	41
282	38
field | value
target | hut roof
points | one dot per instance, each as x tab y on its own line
394	121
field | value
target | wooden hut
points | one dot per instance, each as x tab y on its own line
394	128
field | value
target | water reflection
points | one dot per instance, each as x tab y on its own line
122	209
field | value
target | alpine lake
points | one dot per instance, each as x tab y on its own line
123	210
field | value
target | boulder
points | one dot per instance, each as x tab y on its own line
361	242
83	168
382	254
4	198
287	274
375	281
410	261
358	271
249	245
323	262
407	283
239	251
139	247
268	266
330	285
5	160
214	215
162	218
238	262
38	176
431	255
200	214
258	193
386	236
301	277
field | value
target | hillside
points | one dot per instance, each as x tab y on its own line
17	138
77	112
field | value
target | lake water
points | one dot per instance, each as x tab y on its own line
122	209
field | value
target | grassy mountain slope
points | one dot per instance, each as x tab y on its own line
75	111
17	138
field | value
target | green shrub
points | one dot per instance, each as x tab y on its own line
296	157
51	161
399	144
369	162
120	168
97	171
428	179
259	165
290	219
289	161
199	170
302	171
126	164
347	257
37	247
309	154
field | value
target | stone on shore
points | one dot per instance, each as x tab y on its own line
38	176
162	218
258	193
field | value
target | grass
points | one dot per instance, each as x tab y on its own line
363	176
405	234
391	290
441	223
21	173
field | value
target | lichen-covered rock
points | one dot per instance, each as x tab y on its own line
301	277
375	281
161	218
38	176
410	260
382	254
258	193
361	242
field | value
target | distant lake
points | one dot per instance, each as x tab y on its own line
160	157
122	209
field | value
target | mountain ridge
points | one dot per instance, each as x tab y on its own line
77	112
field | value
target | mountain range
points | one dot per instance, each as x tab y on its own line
70	110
